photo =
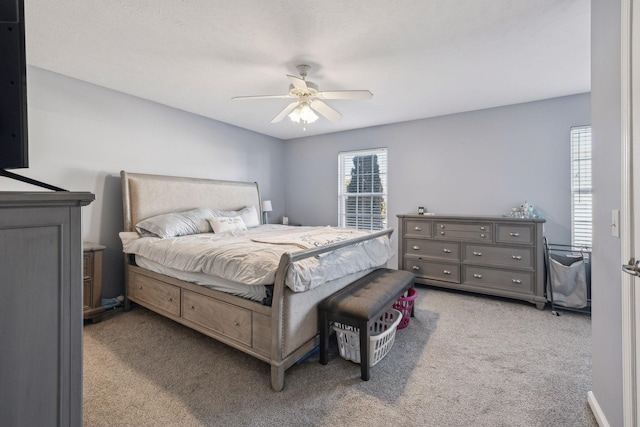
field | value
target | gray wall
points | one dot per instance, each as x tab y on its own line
606	273
478	163
82	135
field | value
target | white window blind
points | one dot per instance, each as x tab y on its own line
581	189
362	189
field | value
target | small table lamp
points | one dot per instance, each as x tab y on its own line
266	207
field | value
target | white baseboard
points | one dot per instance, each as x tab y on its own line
597	412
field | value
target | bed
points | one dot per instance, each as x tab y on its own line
279	328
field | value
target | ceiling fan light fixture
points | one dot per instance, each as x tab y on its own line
303	114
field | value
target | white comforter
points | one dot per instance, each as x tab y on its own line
246	257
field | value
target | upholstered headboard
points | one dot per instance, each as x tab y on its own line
144	195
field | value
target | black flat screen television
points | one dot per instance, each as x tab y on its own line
14	147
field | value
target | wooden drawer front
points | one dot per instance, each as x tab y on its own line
161	295
464	231
433	249
503	279
522	234
226	319
433	270
417	228
87	264
514	257
261	333
87	296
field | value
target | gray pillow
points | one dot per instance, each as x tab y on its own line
175	224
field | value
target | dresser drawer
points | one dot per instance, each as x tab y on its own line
87	264
161	295
418	228
464	231
226	319
513	257
433	249
517	281
446	272
508	233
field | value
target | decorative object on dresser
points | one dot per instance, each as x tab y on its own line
40	320
499	256
92	284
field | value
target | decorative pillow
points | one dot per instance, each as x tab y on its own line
248	214
227	223
175	224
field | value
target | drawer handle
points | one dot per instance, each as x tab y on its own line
416	248
446	251
518	257
514	234
140	287
446	272
192	307
416	228
415	267
516	281
170	299
483	228
441	225
477	276
442	233
477	253
482	235
236	324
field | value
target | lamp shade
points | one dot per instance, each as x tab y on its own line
266	206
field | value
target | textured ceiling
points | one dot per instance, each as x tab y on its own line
420	58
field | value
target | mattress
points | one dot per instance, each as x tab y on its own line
252	256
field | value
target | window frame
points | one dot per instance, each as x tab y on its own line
362	220
581	182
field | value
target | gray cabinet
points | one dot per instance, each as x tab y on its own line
41	308
491	255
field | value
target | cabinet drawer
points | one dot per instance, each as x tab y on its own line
464	231
161	295
514	257
226	319
433	249
508	233
447	272
518	281
414	227
87	264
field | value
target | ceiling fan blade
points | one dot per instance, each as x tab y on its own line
284	113
298	83
324	109
262	97
345	94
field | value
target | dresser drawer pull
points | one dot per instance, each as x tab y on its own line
477	253
477	276
518	257
416	248
415	267
514	234
441	225
483	228
416	228
446	251
442	233
170	299
482	235
192	307
447	272
516	281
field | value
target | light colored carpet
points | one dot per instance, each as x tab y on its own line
464	360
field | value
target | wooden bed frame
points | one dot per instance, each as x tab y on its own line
280	334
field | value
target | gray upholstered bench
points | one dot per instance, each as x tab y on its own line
360	303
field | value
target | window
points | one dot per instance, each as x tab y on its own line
362	189
581	191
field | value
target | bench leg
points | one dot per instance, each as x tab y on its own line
365	334
324	336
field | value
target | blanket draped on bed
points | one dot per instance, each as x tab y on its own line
252	256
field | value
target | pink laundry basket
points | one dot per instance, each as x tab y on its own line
404	305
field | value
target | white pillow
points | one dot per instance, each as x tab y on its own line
249	215
173	224
227	223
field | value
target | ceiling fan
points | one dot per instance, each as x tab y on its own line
309	100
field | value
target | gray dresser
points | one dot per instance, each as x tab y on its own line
41	308
500	256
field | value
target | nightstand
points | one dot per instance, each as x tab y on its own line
92	283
